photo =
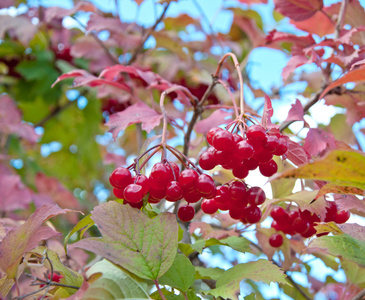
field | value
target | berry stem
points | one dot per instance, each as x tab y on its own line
180	155
230	95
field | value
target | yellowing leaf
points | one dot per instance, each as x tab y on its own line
340	167
328	227
130	239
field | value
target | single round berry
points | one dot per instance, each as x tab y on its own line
207	160
211	133
238	192
144	182
119	193
223	140
237	212
282	147
223	157
188	179
133	193
309	232
256	195
268	169
253	214
120	178
279	214
222	194
342	216
192	196
251	163
240	171
271	144
262	156
186	213
256	134
244	150
157	193
300	225
160	173
137	205
276	240
224	206
209	206
331	211
237	138
174	191
153	200
205	184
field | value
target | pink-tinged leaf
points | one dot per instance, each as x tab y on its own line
296	154
114	159
19	27
14	194
11	121
318	142
267	114
208	231
318	24
146	247
355	230
348	202
298	10
296	112
218	117
137	113
7	3
26	237
55	12
355	75
276	37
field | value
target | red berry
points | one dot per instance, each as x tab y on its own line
137	205
300	225
133	193
211	133
222	194
279	214
192	196
282	147
237	138
342	216
238	193
256	134
272	143
251	163
331	211
144	182
237	212
153	200
174	191
252	214
241	171
160	174
276	240
309	232
188	179
176	171
209	206
256	195
207	160
186	213
223	140
223	205
244	150
119	193
157	193
268	169
205	184
262	156
120	177
223	157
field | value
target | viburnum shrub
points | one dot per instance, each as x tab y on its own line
128	172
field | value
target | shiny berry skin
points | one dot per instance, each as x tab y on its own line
237	212
251	163
192	196
300	225
137	205
205	184
223	157
223	205
222	194
120	177
309	232
157	193
276	240
262	156
186	213
237	138
244	150
153	200
188	179
240	171
253	214
160	174
271	144
176	171
223	140
238	192
207	160
283	146
268	169
331	211
174	191
279	214
211	133
342	216
143	181
209	206
255	195
119	193
256	134
133	193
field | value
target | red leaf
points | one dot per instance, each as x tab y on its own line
296	112
137	113
26	237
347	202
298	10
355	75
274	38
293	63
217	118
318	142
267	114
11	120
296	154
318	24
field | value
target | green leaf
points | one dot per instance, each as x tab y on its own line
208	273
168	295
181	274
282	187
145	247
354	272
114	283
341	167
228	285
343	245
84	222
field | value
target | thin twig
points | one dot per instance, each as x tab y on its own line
159	290
147	35
359	296
54	113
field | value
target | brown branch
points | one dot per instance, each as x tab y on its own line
147	35
359	296
54	113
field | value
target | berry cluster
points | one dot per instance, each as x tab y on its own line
165	181
233	152
241	202
302	222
